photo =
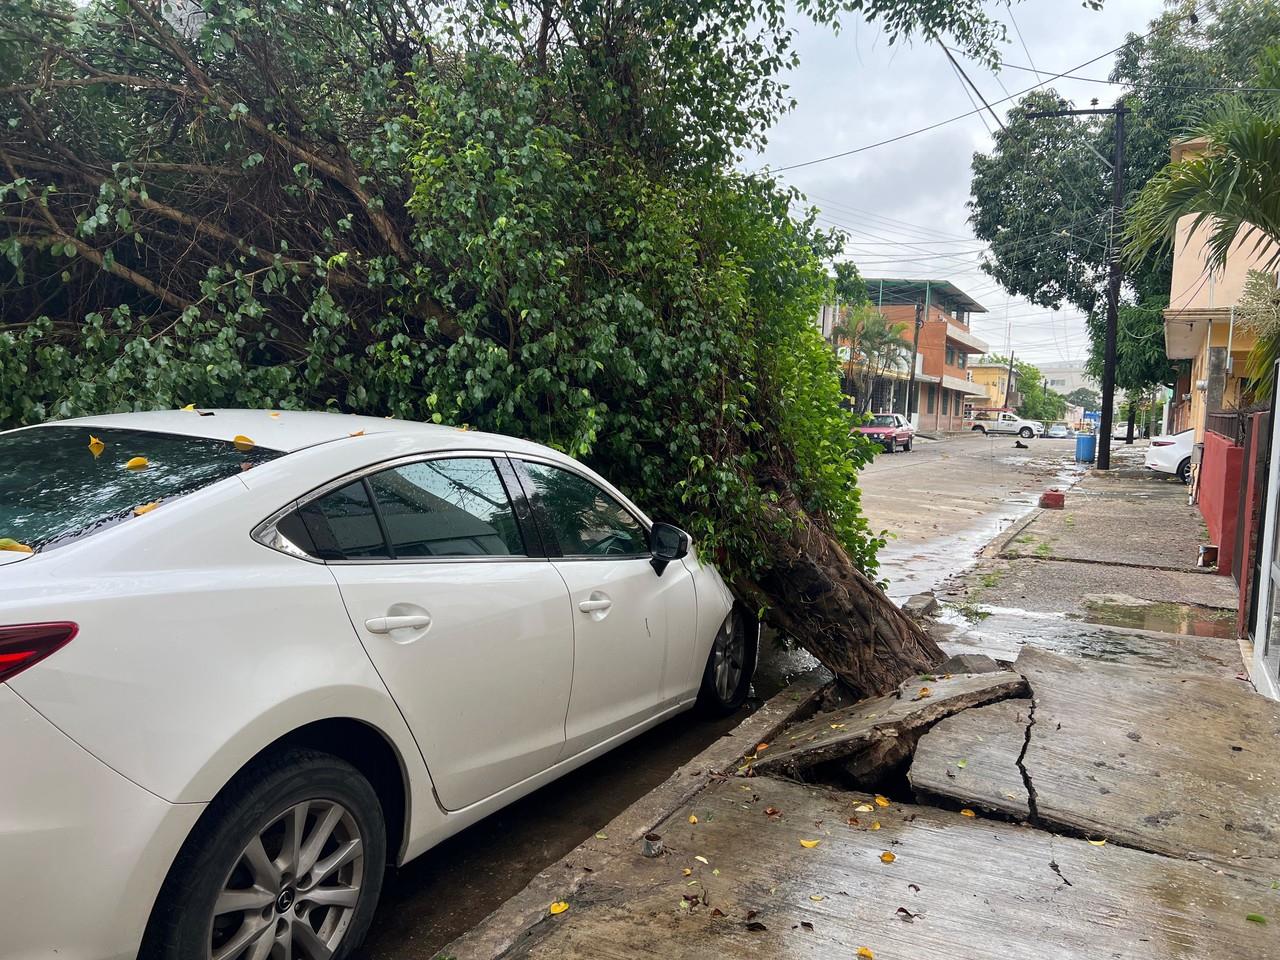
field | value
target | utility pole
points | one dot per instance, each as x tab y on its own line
915	350
1115	275
1008	381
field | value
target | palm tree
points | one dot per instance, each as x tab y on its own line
1234	187
875	347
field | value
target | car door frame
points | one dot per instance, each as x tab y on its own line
536	549
665	700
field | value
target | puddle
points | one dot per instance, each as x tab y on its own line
1184	618
1002	632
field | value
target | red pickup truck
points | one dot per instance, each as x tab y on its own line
891	429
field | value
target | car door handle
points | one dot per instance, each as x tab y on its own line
387	624
591	606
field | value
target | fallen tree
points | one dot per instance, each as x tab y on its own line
517	216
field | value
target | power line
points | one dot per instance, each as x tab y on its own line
961	116
965	79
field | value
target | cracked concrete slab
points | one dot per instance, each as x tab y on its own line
874	734
971	759
1179	764
739	885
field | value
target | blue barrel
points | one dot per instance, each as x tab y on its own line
1086	447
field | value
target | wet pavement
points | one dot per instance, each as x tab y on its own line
445	892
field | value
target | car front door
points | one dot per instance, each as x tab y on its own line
633	627
465	620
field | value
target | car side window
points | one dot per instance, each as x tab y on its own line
338	526
585	521
447	508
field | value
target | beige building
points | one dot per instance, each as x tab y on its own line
1199	324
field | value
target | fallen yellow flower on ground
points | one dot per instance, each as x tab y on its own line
558	907
809	844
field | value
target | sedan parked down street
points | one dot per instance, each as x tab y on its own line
892	430
1172	454
250	659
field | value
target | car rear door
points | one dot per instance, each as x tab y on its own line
633	627
464	618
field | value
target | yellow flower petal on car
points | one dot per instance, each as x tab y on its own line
137	463
275	414
145	508
866	954
243	443
356	433
887	857
809	844
190	408
96	446
13	546
881	801
558	907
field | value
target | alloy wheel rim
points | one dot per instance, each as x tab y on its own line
730	652
293	890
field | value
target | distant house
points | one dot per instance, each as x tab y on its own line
994	379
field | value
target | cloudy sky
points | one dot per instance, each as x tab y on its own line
904	203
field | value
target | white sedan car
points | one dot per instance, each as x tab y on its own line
248	659
1172	454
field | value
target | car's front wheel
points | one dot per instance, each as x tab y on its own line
1026	433
286	862
907	446
726	680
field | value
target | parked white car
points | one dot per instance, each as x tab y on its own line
1172	454
992	421
248	659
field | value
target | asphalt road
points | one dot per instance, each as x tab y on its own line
944	500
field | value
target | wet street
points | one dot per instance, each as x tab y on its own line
944	500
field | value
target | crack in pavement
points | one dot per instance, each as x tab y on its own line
1032	807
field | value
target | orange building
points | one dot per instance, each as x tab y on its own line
945	392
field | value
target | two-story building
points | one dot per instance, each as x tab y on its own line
946	393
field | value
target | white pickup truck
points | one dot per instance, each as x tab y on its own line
1001	421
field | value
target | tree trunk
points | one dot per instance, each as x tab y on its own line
1133	416
818	597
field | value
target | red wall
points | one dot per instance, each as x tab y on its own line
1219	490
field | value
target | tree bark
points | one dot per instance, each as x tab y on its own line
817	596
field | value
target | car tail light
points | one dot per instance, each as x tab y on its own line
28	643
1162	443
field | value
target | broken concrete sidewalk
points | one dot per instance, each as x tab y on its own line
874	734
1182	765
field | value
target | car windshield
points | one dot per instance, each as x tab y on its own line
64	482
882	420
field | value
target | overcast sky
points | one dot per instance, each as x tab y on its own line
906	200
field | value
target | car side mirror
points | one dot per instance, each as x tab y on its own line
666	543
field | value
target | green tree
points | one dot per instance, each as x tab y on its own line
1041	198
1037	401
1084	397
1232	187
519	216
875	347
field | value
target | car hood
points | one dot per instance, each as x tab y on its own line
12	556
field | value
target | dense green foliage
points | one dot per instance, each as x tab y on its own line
1042	197
517	216
1085	397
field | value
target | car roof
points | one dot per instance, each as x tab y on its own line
290	430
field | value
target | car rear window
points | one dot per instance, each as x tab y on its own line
57	484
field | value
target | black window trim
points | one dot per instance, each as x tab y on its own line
553	549
267	534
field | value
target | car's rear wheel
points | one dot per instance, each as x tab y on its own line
977	428
726	680
1184	471
1026	433
286	862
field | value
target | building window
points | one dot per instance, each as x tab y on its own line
962	359
929	398
956	406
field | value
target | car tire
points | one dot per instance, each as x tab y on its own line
1184	471
1026	433
892	447
241	843
906	447
980	429
726	679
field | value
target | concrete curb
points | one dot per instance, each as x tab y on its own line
514	920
